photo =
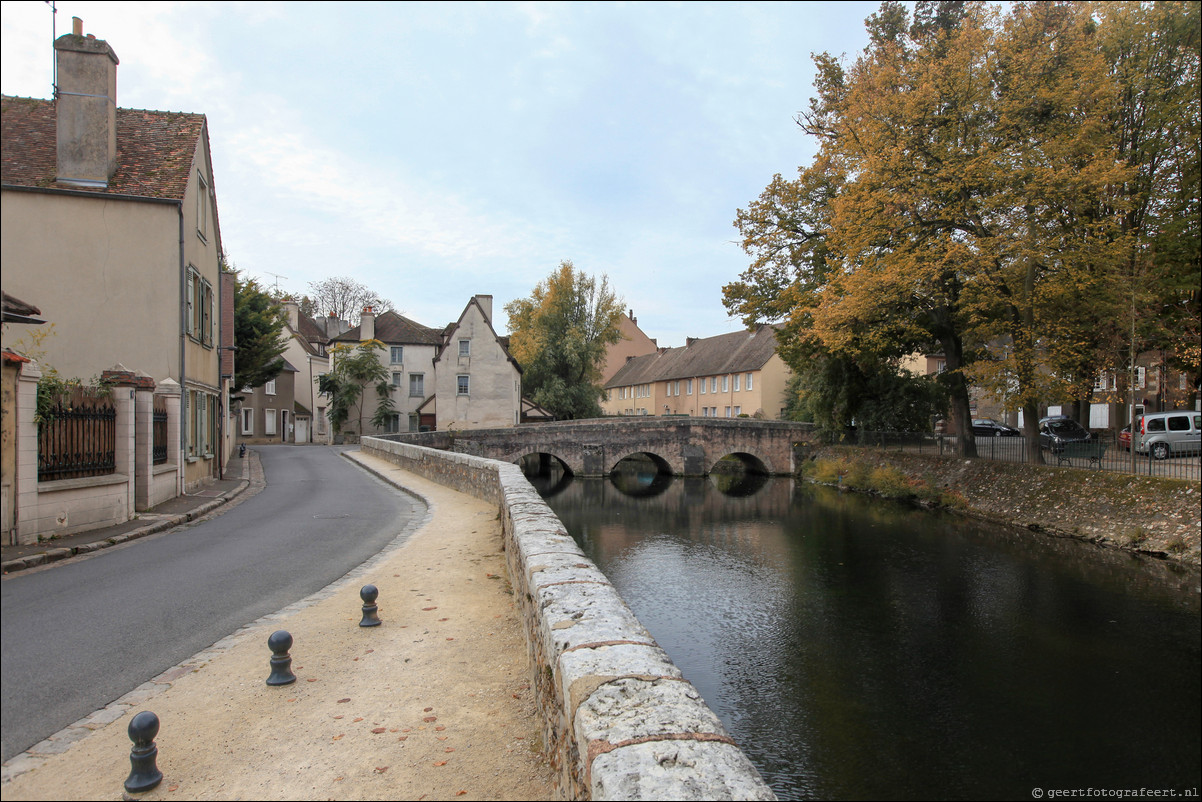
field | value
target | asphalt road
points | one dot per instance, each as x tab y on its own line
89	630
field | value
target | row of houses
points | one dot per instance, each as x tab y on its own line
459	376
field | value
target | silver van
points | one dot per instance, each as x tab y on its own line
1165	434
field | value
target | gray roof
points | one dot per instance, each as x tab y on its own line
736	352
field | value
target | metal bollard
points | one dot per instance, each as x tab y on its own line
281	662
371	617
144	774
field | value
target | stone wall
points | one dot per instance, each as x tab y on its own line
619	720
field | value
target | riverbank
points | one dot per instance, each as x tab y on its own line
1147	515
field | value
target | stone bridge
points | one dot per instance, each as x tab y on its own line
684	446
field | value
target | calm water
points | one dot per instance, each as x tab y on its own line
860	649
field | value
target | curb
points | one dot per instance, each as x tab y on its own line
161	525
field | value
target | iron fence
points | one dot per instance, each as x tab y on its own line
159	427
78	439
1104	453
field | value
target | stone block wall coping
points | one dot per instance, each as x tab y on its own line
619	719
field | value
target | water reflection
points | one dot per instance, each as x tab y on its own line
862	649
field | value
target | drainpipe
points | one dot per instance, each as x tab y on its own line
183	396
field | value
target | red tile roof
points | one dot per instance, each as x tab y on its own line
155	149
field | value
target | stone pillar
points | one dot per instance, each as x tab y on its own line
27	453
143	445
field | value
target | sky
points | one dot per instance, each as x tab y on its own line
435	151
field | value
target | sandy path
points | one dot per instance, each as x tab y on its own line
433	704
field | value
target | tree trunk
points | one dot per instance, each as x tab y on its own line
1031	431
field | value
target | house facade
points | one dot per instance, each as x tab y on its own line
478	385
408	353
633	342
728	376
110	226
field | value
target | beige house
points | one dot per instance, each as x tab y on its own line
478	385
110	227
727	376
633	343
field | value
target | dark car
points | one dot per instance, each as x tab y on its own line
1056	430
988	427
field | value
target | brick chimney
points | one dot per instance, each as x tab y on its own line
367	324
86	108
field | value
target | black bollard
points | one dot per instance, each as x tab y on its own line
371	617
144	774
281	662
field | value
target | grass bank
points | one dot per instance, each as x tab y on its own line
1150	515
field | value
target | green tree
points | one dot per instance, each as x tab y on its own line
356	368
258	335
559	337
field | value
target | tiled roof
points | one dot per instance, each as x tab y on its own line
154	149
310	330
395	329
736	352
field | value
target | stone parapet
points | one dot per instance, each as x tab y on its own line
619	719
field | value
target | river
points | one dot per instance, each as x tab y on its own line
864	649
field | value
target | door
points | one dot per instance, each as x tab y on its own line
302	430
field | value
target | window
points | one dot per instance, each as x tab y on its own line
269	422
1141	377
202	207
714	385
397	354
248	421
465	348
392	424
703	386
748	382
396	378
737	377
738	411
200	313
688	387
462	384
417	385
201	415
726	385
728	412
1181	381
678	388
269	387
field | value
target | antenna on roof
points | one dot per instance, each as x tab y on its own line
277	280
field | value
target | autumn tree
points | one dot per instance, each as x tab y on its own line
559	337
964	198
342	297
258	335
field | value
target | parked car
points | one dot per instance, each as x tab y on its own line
988	427
1164	434
1056	430
1125	437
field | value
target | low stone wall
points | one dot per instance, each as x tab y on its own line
619	719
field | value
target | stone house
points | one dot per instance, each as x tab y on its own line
725	376
110	226
119	206
478	384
